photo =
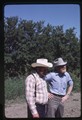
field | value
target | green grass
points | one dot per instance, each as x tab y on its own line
14	87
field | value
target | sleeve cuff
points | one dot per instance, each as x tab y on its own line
34	111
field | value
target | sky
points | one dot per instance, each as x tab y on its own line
67	15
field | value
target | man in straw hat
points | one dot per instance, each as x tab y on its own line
58	92
36	89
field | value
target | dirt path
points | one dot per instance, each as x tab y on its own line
19	109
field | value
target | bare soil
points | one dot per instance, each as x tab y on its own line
18	109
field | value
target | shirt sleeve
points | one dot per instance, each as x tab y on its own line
69	80
48	77
30	93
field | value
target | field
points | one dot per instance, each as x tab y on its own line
18	108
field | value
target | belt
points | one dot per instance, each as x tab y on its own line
58	95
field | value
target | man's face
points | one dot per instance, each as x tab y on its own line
42	71
62	69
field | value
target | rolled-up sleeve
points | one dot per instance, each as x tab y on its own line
30	93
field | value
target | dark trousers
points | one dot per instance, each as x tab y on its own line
41	111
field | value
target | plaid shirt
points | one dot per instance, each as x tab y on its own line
40	91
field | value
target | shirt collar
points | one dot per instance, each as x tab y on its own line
58	74
38	75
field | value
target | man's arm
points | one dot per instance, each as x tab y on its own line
30	95
48	77
67	94
69	90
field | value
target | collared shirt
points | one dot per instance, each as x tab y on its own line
58	83
36	91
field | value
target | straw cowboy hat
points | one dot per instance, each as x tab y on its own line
59	62
42	63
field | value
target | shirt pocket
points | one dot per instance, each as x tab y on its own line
55	85
41	86
64	85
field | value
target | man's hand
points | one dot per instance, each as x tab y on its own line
50	95
64	98
36	116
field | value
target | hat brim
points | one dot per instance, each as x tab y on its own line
61	64
41	65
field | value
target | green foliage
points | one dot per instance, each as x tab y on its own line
25	41
77	80
14	88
